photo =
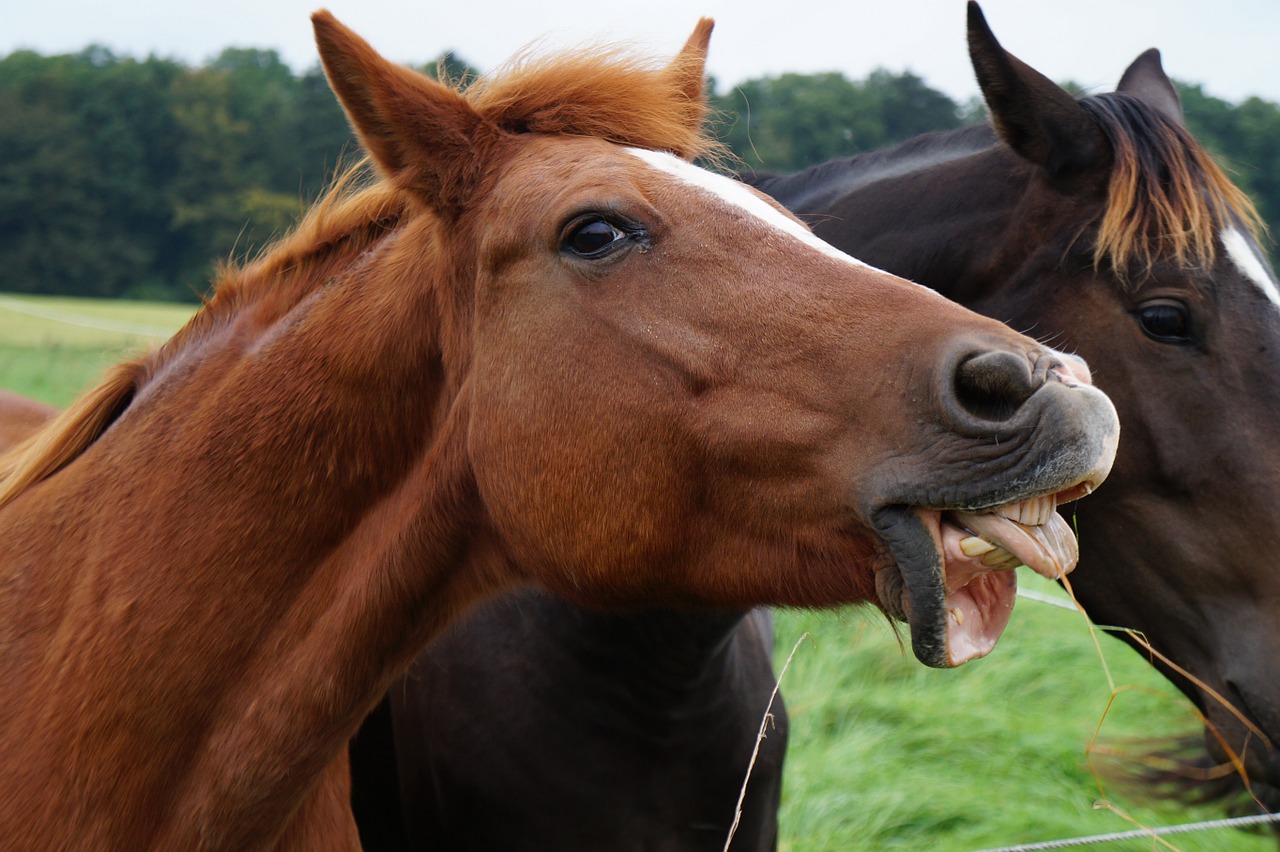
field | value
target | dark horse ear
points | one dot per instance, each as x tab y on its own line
1035	116
1145	80
423	135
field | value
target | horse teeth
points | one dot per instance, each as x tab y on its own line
975	546
958	615
1048	505
999	558
1031	513
1013	511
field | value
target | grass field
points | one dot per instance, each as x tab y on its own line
885	754
51	348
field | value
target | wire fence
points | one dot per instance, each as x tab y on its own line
96	323
1141	833
1153	833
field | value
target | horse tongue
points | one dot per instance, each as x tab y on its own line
980	592
1050	549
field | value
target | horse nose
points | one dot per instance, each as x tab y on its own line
1072	368
993	385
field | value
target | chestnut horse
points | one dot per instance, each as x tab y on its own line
462	750
1102	225
541	347
625	697
19	417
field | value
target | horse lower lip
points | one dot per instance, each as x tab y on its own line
891	591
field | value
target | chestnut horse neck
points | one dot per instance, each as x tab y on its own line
229	598
274	511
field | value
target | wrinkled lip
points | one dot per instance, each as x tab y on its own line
953	580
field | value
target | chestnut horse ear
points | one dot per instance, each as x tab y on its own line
1145	80
688	70
1036	117
422	135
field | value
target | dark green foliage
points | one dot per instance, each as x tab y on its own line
121	177
126	177
1245	140
784	123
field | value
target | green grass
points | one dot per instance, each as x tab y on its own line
885	754
52	348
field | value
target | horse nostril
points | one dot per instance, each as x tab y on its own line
993	385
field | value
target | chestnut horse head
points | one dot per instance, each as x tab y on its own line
540	347
1102	225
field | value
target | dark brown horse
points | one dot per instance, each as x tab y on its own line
1102	225
534	724
541	347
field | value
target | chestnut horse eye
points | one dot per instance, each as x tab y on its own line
1165	321
593	238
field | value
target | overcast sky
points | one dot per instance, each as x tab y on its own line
1232	47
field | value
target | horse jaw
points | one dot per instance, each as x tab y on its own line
955	582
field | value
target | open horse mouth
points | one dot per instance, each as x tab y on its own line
950	572
954	580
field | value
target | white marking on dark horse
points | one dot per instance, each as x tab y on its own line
1248	262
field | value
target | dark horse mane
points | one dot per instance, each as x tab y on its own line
836	177
605	94
1166	199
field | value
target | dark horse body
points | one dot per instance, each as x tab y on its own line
1049	222
1006	222
630	731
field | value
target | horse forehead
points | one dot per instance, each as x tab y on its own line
736	195
1246	260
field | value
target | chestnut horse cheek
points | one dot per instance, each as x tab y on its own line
602	483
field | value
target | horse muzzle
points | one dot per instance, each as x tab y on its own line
1024	433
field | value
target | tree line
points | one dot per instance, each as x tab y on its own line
122	177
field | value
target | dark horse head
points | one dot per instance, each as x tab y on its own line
1100	224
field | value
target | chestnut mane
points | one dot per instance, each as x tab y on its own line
605	93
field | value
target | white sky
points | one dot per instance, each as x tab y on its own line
1232	47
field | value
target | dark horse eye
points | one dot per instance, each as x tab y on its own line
1165	321
593	238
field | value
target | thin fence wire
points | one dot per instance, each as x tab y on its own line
1141	833
96	323
1156	833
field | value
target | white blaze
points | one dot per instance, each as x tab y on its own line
1247	262
741	196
